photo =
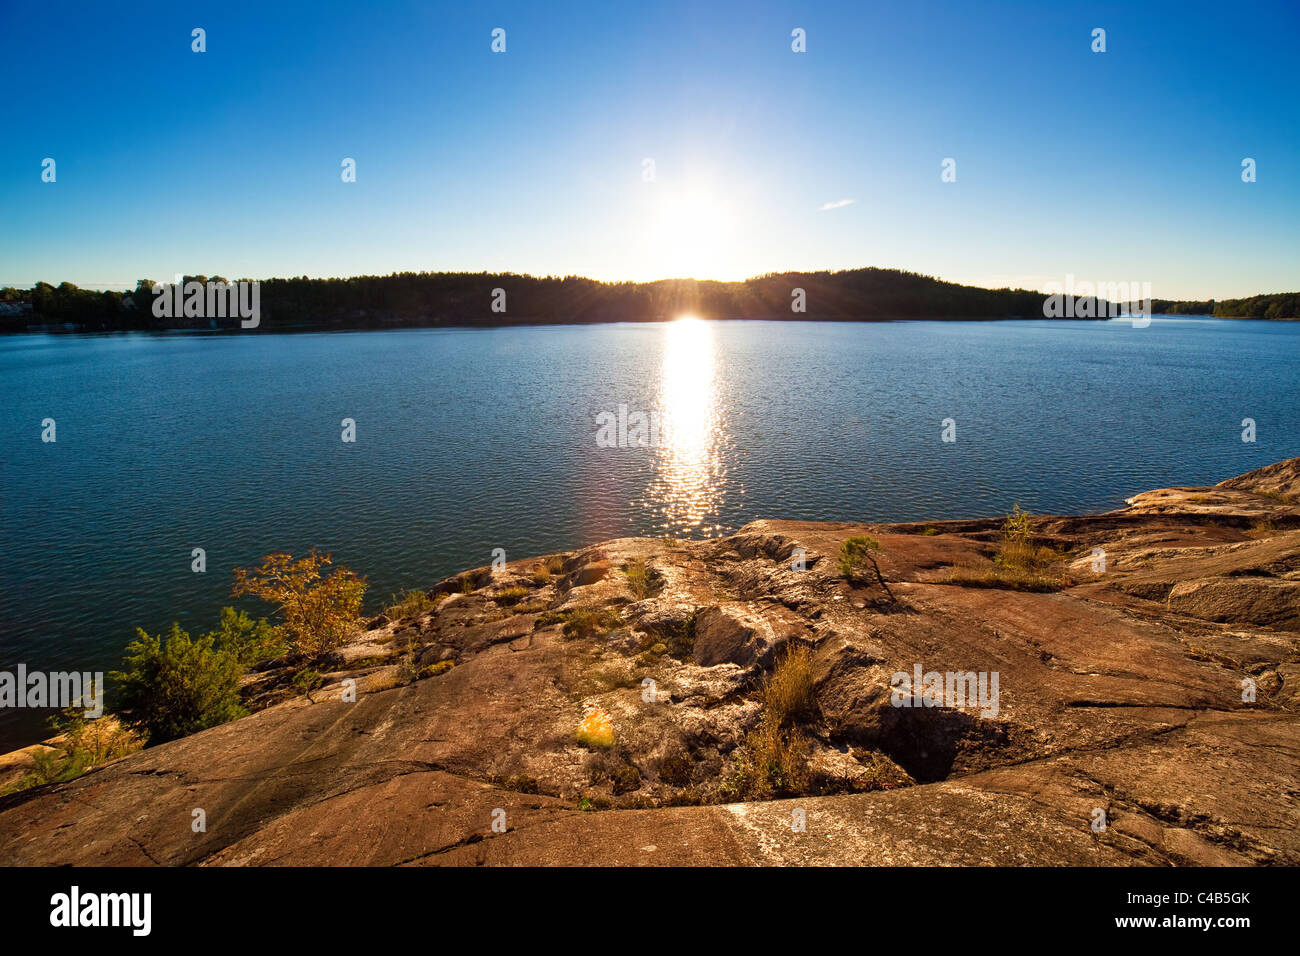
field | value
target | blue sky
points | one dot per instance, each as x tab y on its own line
1115	166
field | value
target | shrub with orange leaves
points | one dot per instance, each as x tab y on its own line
317	612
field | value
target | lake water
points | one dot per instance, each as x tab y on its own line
471	440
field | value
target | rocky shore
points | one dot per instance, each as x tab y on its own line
1147	710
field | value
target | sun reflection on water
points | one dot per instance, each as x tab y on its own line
686	489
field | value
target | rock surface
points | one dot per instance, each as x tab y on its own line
1124	697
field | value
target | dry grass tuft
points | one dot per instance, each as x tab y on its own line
410	604
1020	564
1262	528
788	691
589	621
773	762
640	578
509	596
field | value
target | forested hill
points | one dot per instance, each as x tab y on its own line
1278	305
444	298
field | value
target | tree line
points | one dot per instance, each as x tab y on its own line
410	299
1277	305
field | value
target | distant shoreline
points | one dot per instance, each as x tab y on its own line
415	326
490	300
317	328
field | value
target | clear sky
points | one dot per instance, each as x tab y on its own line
1115	166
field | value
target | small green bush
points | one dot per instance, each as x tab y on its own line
856	555
82	744
591	621
1018	525
176	685
251	642
509	596
307	680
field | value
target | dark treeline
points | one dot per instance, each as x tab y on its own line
444	298
430	299
1279	305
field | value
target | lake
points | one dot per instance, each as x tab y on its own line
468	440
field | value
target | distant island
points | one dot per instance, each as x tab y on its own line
430	299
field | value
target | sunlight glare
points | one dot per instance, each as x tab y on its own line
688	480
692	234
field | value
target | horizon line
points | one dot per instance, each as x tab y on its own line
129	286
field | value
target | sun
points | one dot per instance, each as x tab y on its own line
691	215
691	234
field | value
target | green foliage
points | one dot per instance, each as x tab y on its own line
81	745
1019	554
1276	305
174	686
307	680
856	556
251	642
1018	525
53	766
547	618
590	621
439	667
509	596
